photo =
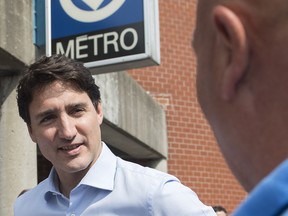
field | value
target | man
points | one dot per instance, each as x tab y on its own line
242	78
60	102
220	210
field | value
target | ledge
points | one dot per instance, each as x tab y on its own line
134	123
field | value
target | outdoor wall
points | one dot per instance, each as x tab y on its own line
17	154
193	154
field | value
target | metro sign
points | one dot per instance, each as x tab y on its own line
110	35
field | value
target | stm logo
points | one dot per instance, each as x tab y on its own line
89	11
110	35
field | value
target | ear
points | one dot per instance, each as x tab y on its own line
232	34
99	113
31	133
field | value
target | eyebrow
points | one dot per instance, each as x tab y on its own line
76	105
41	115
52	111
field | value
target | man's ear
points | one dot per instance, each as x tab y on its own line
231	31
99	112
31	133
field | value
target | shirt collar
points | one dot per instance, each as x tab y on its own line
52	185
101	174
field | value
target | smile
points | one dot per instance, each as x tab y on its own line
70	147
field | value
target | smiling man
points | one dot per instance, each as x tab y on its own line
60	103
241	48
65	125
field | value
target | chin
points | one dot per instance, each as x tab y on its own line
77	166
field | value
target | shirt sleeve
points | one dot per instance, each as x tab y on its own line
173	198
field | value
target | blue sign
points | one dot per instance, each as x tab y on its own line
66	15
99	32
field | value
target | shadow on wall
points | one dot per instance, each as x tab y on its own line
10	69
7	85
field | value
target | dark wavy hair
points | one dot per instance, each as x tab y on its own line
219	209
48	70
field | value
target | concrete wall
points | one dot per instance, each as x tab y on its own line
17	153
16	34
134	122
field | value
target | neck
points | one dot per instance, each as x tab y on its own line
68	181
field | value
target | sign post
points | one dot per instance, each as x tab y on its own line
110	35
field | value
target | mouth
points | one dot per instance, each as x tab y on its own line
69	147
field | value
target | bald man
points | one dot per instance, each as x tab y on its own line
242	84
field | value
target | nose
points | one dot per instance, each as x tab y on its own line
66	127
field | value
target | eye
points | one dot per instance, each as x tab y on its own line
47	119
77	111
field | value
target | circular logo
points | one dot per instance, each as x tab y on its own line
93	15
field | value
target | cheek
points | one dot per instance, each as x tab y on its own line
202	86
44	137
205	80
88	126
202	69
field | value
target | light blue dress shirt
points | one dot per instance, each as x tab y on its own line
114	187
270	196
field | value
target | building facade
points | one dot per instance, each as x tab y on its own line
151	114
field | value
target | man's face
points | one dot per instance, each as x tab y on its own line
66	126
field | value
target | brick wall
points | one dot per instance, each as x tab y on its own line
193	156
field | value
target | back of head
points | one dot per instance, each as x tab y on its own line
48	70
242	81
